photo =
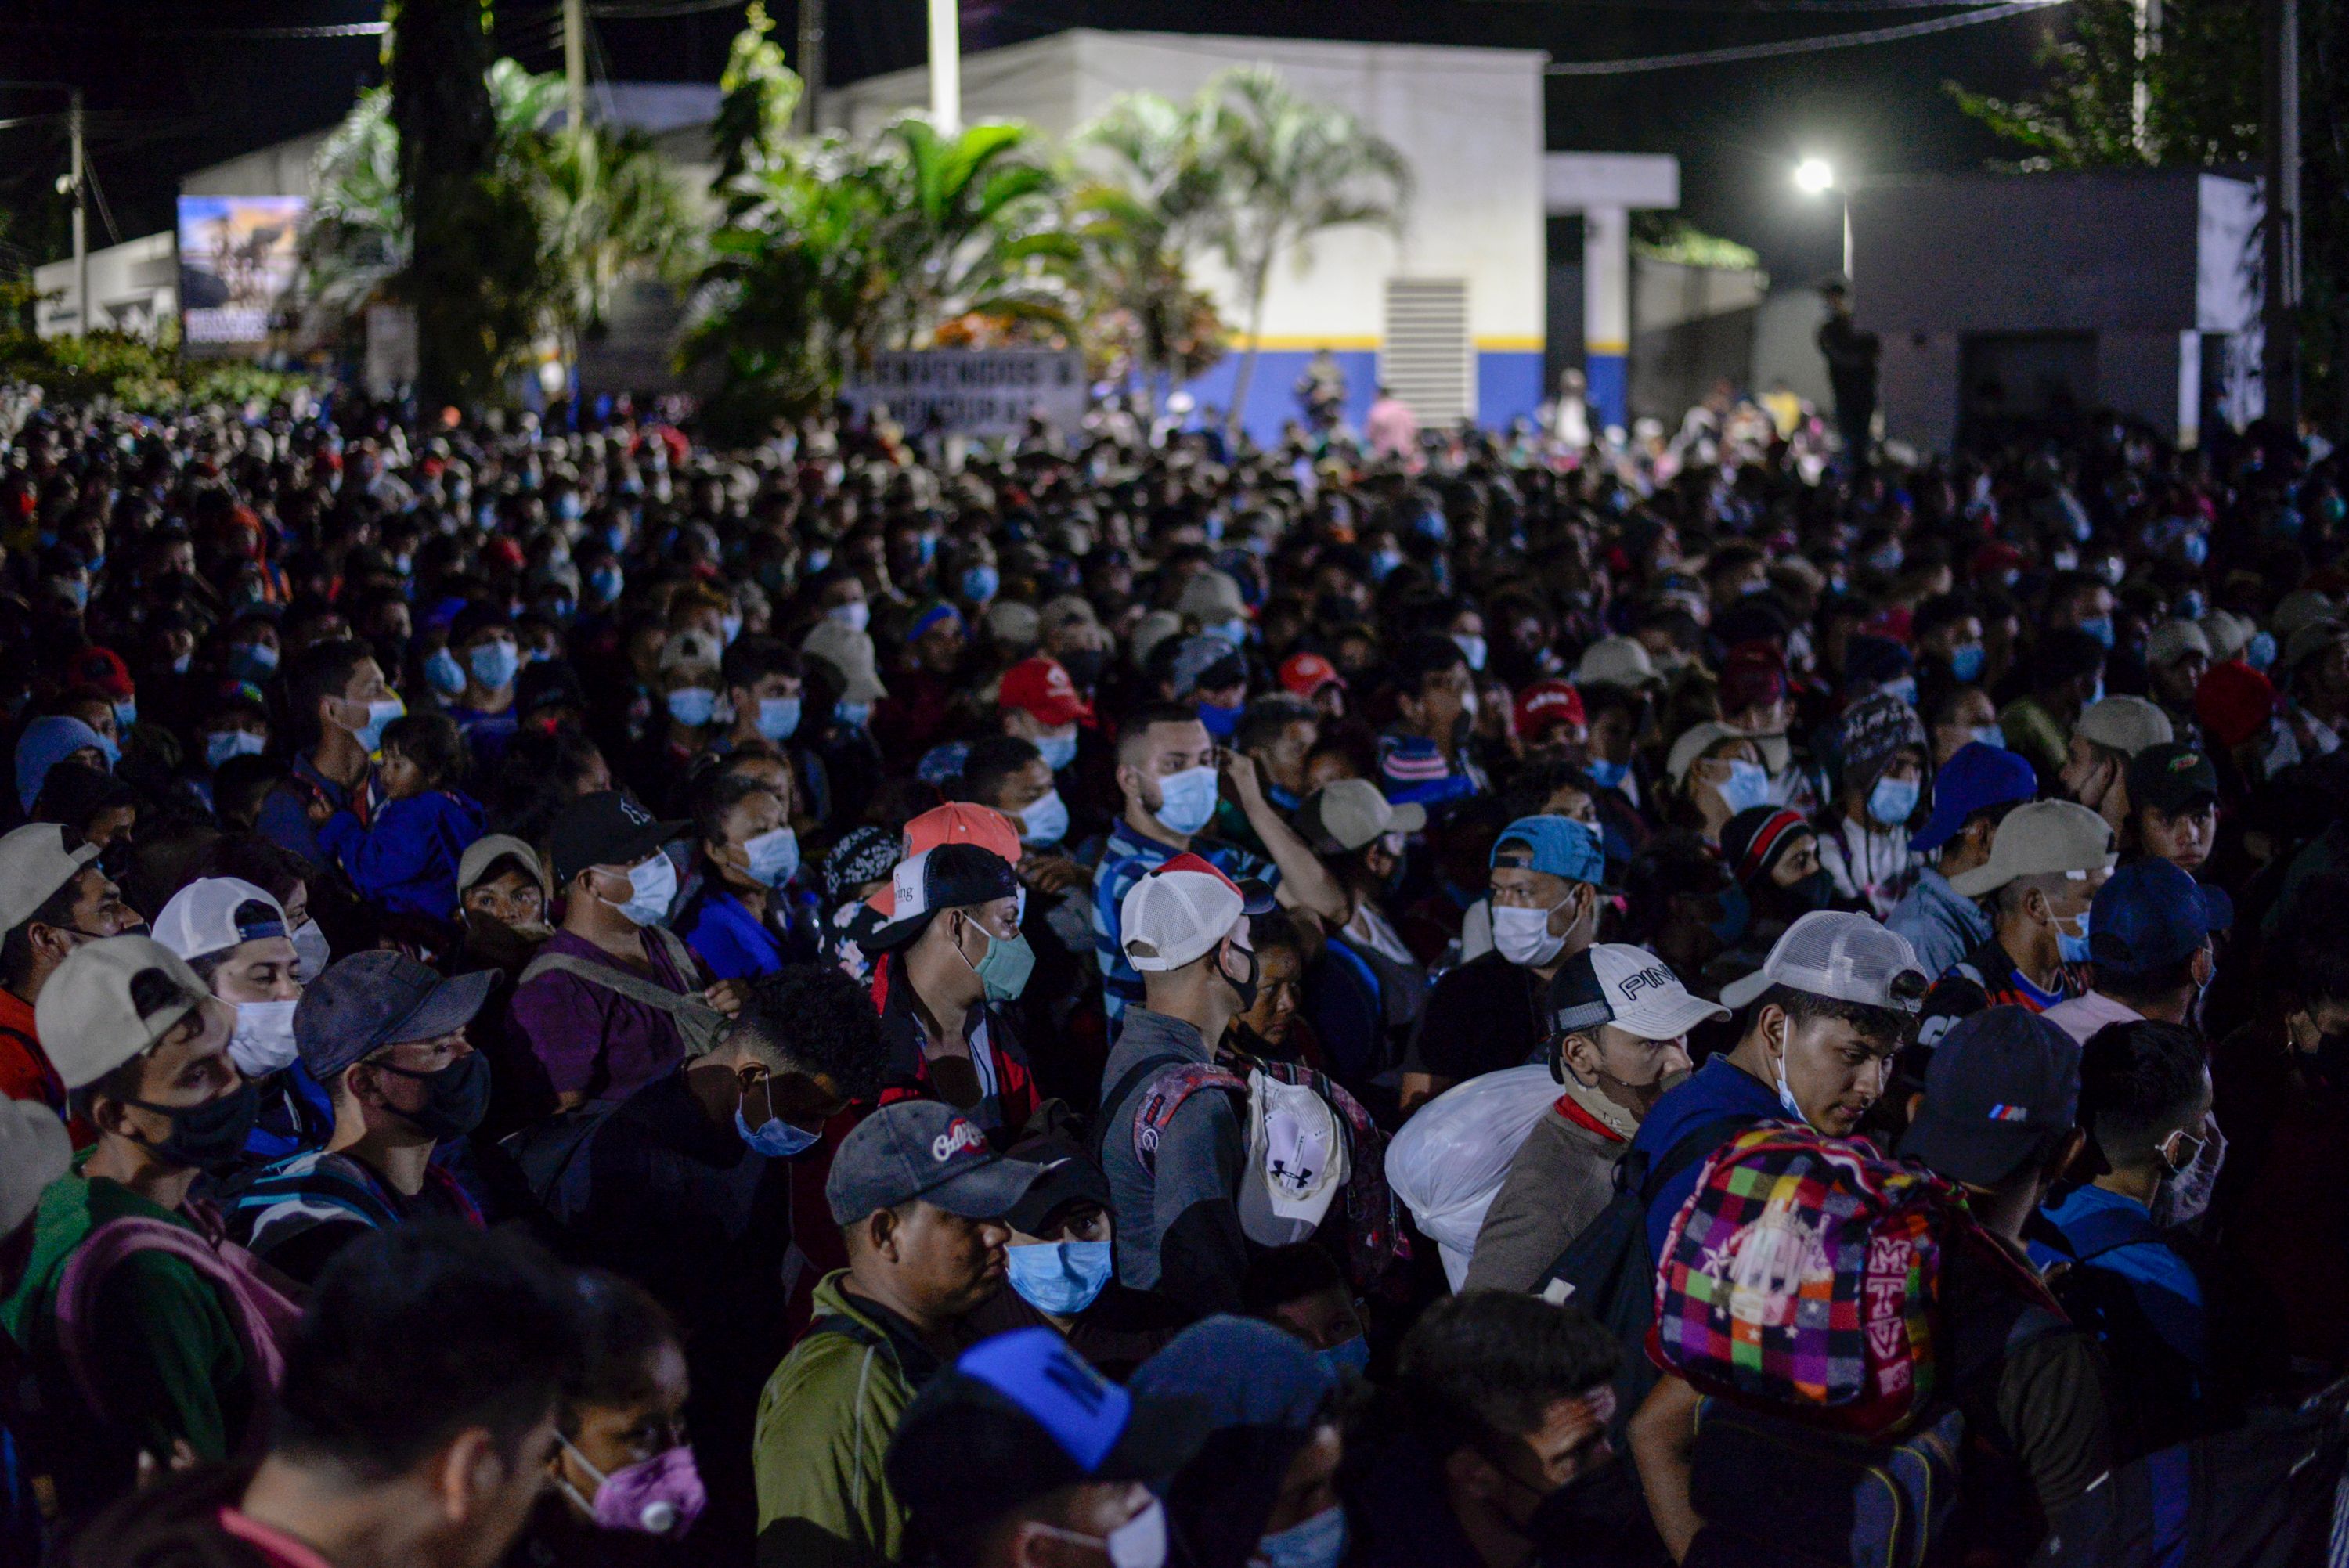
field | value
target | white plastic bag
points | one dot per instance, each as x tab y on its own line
1451	1156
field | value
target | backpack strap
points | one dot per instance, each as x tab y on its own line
848	1329
700	1026
1693	1146
1132	1081
1165	1095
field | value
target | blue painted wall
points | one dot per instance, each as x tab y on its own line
1508	386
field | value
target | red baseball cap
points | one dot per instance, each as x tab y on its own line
103	668
1548	705
1305	673
1752	676
956	822
1040	687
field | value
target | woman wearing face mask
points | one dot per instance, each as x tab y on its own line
686	719
502	901
234	935
1865	847
1774	857
1714	772
1263	1489
743	920
622	1487
1061	1273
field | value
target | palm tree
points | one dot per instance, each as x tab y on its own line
1284	169
1153	204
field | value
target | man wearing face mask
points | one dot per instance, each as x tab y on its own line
2108	735
1621	1021
485	649
1021	1456
1973	794
686	1187
1426	758
53	901
614	998
337	703
142	1050
1492	1012
764	683
2047	862
952	960
1038	702
234	935
1168	770
1865	847
386	1036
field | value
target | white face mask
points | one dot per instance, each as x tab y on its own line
1187	799
1524	936
263	1040
311	951
1139	1543
1794	1108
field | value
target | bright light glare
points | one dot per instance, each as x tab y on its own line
1812	176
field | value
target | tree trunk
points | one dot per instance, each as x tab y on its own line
441	108
1257	276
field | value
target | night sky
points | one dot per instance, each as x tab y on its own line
172	86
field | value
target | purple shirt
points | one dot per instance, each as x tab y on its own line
591	1039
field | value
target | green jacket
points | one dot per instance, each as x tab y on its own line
825	1419
172	1364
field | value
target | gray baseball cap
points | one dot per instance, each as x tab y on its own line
920	1149
378	998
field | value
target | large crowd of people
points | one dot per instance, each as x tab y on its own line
568	997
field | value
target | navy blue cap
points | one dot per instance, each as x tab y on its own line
2002	1087
1978	778
1561	847
2149	915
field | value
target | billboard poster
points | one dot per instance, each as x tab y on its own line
973	391
238	258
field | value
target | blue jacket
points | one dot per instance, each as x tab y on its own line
1716	1091
2108	1231
407	859
1940	924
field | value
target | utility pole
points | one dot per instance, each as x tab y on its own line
575	62
2280	309
82	323
945	66
2148	44
810	115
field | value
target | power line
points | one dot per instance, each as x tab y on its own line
1742	52
324	30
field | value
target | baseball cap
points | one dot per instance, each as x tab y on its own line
2173	640
377	998
2233	702
1693	742
1179	910
1068	1176
2229	632
1548	705
1041	687
2040	839
1296	1162
1843	957
1561	847
1975	779
1022	1415
849	652
921	1148
35	1151
2003	1086
2171	778
202	917
485	852
606	828
947	876
1305	673
88	1016
102	668
2312	638
34	864
2303	608
1207	662
690	650
2151	914
1346	813
1210	597
1616	661
1752	676
1629	988
2127	723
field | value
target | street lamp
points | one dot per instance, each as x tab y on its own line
1816	177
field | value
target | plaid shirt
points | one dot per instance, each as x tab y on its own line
1126	859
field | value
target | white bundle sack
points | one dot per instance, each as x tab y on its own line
1451	1156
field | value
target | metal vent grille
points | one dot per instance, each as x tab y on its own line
1426	360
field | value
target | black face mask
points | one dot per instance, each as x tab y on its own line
1815	892
1247	988
456	1097
208	1137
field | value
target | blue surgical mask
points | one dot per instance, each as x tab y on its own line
1059	749
1318	1543
1990	735
1060	1277
1747	786
1893	800
444	674
1609	775
251	661
2196	548
606	582
1187	799
494	664
773	857
2262	651
2075	949
652	887
1905	688
2099	627
125	712
1472	648
1044	821
856	714
1383	562
774	1137
1223	723
370	735
692	705
979	582
778	718
2097	695
1234	631
222	744
730	626
1347	1355
1966	663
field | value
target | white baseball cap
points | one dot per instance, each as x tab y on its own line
1629	988
1182	910
1841	956
89	1015
34	1152
34	863
202	917
1296	1162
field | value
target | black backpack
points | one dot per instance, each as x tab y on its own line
547	1154
1608	1270
2268	1494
